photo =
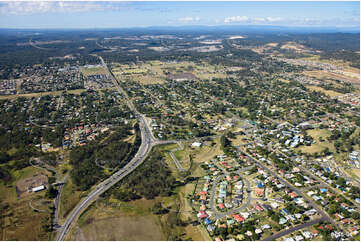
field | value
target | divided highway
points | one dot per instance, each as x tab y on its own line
147	143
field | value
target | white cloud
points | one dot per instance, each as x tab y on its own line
189	19
259	19
36	7
273	19
236	19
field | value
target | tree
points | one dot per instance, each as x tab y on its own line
355	215
51	192
4	157
158	208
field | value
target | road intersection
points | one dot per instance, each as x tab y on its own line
148	141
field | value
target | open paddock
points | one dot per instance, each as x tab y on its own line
354	79
41	94
98	70
317	146
126	221
330	93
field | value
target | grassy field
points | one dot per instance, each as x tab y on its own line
121	228
19	221
111	219
128	221
354	172
168	159
93	71
152	72
148	79
339	63
204	153
330	93
293	46
238	140
69	198
178	202
318	146
40	94
122	221
22	223
347	76
208	152
284	80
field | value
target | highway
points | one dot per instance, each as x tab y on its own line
147	143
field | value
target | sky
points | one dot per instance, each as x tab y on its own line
120	14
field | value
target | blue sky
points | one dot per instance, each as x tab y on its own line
103	14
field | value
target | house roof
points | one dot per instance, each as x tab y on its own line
203	215
238	217
258	207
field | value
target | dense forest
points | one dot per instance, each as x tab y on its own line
149	180
90	161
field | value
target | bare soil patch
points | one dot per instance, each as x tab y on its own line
123	228
24	186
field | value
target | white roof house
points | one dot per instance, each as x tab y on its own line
196	144
39	188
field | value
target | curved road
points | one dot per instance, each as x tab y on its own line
219	215
143	151
57	201
147	143
176	162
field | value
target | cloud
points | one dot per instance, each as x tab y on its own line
259	19
189	19
36	7
236	19
273	19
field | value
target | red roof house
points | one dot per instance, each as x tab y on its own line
238	218
259	192
258	207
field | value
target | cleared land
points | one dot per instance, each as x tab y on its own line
330	93
20	222
318	146
40	94
121	228
154	72
294	46
355	172
93	71
122	221
69	199
346	76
